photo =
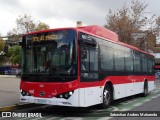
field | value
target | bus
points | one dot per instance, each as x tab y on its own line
82	67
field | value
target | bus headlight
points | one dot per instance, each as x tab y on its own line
24	93
65	95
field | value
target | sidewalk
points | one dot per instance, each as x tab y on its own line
9	90
10	94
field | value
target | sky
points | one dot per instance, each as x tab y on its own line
63	13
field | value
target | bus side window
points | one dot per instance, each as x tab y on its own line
137	63
119	60
93	60
85	61
150	66
106	55
144	64
129	61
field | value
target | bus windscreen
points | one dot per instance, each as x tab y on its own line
52	53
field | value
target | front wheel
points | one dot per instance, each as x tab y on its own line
107	96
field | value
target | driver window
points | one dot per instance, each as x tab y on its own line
89	64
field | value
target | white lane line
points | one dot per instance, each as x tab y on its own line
105	118
72	118
52	118
125	109
128	102
39	118
115	108
147	100
137	104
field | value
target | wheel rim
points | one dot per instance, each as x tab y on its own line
106	97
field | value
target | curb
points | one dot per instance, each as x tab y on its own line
7	76
18	106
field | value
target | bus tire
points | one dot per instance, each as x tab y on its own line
107	97
145	90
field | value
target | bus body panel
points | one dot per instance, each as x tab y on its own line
129	89
50	89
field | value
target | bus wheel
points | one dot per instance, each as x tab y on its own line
145	92
107	96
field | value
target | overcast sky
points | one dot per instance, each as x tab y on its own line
63	13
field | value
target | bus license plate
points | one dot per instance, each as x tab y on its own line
41	101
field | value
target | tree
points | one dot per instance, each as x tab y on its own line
1	44
2	53
25	24
15	54
157	26
41	26
128	20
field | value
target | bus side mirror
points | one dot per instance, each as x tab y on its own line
83	51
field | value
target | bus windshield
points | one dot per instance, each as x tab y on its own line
51	53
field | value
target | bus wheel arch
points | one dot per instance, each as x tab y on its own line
145	88
107	96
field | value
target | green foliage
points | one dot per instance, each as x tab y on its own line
15	53
26	24
1	45
41	26
128	21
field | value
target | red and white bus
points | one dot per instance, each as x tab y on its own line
81	67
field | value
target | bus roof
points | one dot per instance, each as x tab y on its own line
109	35
100	31
96	31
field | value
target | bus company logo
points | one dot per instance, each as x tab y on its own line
42	93
31	91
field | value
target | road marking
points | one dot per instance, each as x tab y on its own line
24	118
157	95
154	92
71	118
51	118
115	108
105	118
39	118
125	109
147	100
7	108
137	104
128	102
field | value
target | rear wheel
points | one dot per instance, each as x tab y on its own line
107	96
145	92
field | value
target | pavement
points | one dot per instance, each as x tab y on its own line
9	93
9	90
